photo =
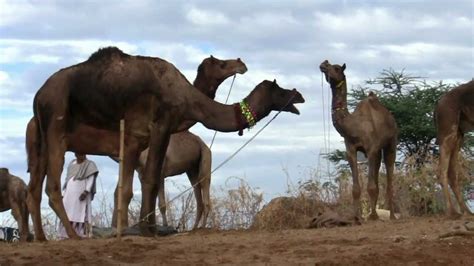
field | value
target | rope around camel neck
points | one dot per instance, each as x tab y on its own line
222	163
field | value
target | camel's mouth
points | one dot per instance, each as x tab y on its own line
298	98
324	70
241	69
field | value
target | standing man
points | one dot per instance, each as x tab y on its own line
78	193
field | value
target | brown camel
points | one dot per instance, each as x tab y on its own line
85	103
370	129
454	116
188	147
186	152
13	194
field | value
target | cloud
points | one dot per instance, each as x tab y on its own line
205	18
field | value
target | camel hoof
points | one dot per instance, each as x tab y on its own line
373	217
146	230
41	239
455	215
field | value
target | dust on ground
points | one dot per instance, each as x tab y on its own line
411	241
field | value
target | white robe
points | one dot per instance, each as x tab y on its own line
79	212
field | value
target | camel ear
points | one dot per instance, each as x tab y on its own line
344	67
275	81
212	57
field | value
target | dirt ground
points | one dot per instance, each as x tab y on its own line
414	241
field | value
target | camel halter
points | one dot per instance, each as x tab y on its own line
339	85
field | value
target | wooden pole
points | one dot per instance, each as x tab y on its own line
120	182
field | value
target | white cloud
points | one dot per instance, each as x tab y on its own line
428	22
15	11
54	51
5	81
174	52
203	17
358	21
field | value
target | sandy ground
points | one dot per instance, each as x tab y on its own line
414	241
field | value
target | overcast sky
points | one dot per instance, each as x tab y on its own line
282	40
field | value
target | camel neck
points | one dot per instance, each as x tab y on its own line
339	105
222	117
206	85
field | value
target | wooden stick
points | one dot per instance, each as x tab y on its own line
120	182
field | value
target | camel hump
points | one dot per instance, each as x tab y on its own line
372	94
106	53
4	179
4	171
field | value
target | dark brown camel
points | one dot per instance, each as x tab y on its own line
454	116
186	152
211	73
13	193
85	103
370	129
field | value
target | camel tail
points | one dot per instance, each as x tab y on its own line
32	143
35	140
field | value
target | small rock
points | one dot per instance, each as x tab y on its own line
469	226
398	239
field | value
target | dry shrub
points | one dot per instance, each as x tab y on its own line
287	212
304	202
234	208
418	191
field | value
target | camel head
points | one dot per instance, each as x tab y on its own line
216	71
276	97
334	74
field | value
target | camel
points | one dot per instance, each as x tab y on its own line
13	194
454	116
371	129
85	103
186	152
211	73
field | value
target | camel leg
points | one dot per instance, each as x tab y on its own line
25	220
194	178
199	207
389	155
352	159
205	182
453	177
129	161
56	149
17	213
373	184
35	188
206	198
447	145
162	199
159	139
